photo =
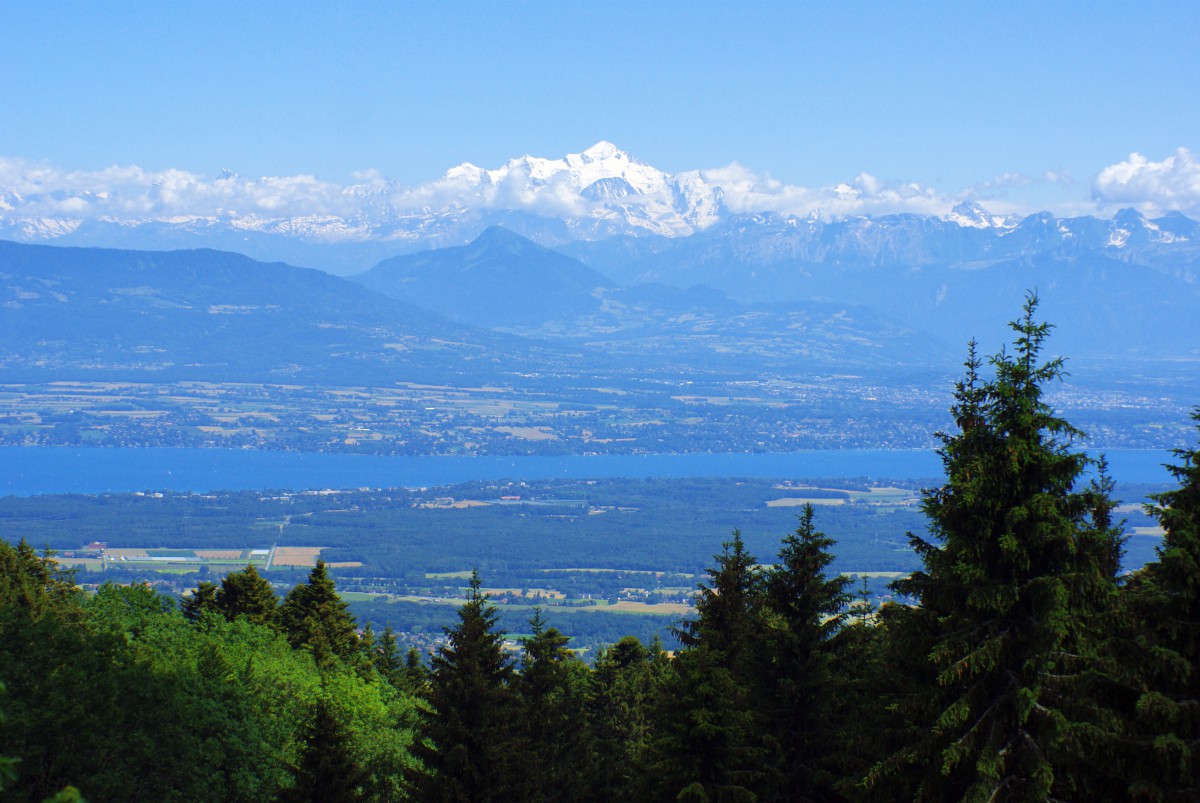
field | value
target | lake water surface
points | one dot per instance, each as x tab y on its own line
41	470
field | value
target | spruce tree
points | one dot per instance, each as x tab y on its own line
465	736
622	689
798	683
1163	604
204	598
1021	557
708	739
727	609
551	716
248	594
328	772
314	617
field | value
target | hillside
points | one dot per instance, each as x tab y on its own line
93	313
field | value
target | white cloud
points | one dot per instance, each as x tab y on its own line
1151	187
746	191
32	189
39	190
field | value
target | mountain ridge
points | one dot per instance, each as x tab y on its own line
207	314
593	196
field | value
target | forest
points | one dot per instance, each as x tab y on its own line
1028	667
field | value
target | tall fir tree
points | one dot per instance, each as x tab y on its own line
1021	559
203	599
708	736
248	594
314	617
465	738
727	609
1163	607
797	688
328	771
551	718
623	686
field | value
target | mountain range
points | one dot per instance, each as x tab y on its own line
596	259
91	313
615	213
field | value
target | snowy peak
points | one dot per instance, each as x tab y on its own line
608	189
592	195
970	214
579	170
599	192
602	151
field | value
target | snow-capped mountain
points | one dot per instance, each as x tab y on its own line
600	192
972	215
602	205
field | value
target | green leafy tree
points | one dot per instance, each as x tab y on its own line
248	594
466	742
314	617
1017	566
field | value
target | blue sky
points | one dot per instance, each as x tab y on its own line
1024	102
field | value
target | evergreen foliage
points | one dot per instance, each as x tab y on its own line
799	684
622	688
1005	592
1028	670
314	617
329	771
247	593
550	691
203	599
726	608
707	743
466	745
1163	610
34	582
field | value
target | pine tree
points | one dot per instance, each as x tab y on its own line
622	689
248	594
1163	605
204	598
1006	592
551	716
465	740
314	617
797	688
707	742
328	772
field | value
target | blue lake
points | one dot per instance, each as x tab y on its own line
41	470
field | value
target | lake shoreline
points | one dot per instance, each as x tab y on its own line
34	470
